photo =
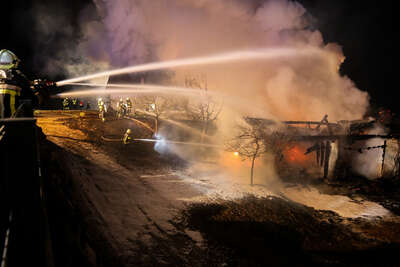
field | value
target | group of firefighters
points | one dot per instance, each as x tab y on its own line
124	108
19	95
73	103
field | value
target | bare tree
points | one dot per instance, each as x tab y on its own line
205	109
249	143
154	105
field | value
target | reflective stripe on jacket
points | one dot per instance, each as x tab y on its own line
10	89
8	94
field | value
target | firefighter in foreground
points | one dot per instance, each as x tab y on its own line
18	95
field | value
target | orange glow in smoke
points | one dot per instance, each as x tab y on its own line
236	154
295	154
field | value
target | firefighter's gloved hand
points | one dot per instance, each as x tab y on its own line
39	83
40	89
40	86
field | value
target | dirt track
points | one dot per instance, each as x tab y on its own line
129	206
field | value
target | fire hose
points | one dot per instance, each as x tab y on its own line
111	139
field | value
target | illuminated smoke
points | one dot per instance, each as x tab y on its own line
138	32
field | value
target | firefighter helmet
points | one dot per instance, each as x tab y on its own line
128	131
8	59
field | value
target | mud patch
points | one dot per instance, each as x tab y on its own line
275	232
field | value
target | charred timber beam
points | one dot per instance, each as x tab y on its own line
310	123
323	150
327	156
337	137
383	158
271	122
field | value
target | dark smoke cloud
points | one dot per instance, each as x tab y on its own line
59	30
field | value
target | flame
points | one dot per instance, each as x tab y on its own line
296	155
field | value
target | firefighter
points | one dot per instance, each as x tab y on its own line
102	109
17	93
121	108
74	103
66	103
128	105
126	139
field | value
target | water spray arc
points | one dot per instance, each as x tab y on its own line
151	89
179	124
132	89
255	54
176	142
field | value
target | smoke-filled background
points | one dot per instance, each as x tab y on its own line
52	37
349	71
124	33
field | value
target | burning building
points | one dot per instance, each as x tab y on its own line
331	150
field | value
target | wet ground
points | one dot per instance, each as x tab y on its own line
112	204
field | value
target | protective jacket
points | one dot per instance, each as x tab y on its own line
128	105
127	138
17	93
66	103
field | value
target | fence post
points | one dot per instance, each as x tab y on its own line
383	158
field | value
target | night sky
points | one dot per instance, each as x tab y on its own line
362	28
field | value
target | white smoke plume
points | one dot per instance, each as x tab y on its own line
134	32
